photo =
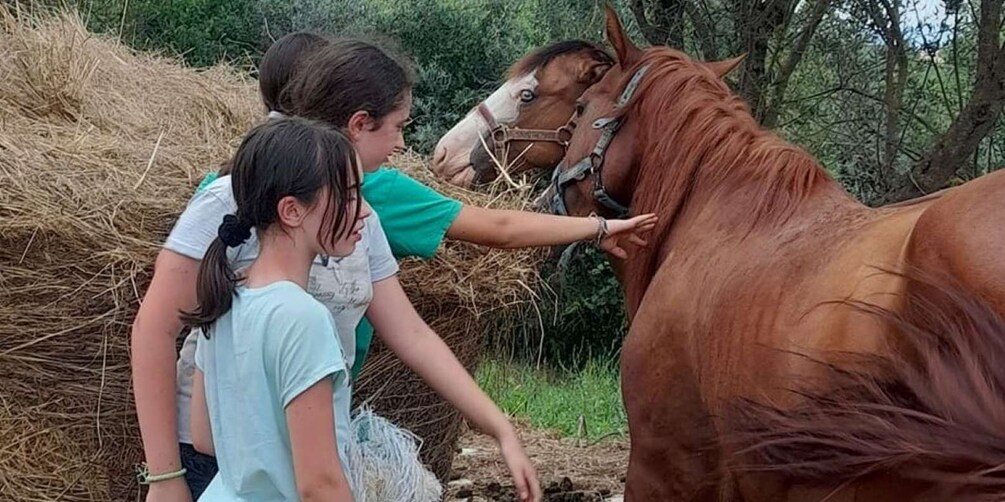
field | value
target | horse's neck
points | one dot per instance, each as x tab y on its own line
714	219
712	174
749	178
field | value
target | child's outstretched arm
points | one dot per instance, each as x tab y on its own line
410	338
501	228
316	464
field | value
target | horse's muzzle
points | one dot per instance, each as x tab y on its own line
482	163
543	203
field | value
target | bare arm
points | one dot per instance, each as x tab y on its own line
500	228
154	334
202	434
398	324
316	465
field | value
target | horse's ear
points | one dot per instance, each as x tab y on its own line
722	68
626	52
591	72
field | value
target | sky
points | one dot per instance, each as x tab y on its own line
926	12
922	20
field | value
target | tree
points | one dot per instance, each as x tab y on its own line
958	144
773	34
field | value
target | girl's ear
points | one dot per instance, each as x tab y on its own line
358	122
291	211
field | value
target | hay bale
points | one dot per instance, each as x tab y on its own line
100	148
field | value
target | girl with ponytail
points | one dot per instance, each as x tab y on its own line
269	400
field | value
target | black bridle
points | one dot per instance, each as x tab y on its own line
593	164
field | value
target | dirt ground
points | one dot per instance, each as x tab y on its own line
570	470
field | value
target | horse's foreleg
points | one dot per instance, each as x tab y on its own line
673	454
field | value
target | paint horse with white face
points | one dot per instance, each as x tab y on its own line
527	122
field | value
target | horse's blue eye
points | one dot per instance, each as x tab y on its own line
527	96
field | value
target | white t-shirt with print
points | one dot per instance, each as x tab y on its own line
344	286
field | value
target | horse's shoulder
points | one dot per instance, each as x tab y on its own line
962	234
973	212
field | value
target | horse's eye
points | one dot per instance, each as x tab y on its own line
527	95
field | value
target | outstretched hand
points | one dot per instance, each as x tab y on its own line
631	230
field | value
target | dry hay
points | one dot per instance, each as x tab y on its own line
100	148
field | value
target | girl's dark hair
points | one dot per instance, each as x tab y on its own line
345	76
280	62
280	158
283	58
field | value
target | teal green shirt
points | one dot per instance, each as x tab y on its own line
415	219
207	180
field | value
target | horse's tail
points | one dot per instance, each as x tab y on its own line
935	413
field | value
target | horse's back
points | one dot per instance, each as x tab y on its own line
720	322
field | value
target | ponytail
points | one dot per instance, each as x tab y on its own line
283	157
216	283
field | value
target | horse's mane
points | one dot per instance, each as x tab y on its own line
545	55
695	134
931	412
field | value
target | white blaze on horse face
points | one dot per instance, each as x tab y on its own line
451	158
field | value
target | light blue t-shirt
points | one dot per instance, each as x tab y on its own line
344	285
275	342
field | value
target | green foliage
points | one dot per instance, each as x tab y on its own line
835	106
589	320
579	317
461	48
203	32
561	400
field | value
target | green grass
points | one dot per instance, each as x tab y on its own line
551	399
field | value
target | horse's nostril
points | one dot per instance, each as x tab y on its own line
482	163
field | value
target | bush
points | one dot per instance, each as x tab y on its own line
579	318
461	49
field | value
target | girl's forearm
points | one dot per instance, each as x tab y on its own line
508	229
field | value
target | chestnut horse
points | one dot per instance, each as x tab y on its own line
526	122
788	342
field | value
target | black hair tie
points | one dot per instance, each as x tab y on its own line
232	233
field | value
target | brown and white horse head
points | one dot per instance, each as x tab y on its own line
525	123
597	173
